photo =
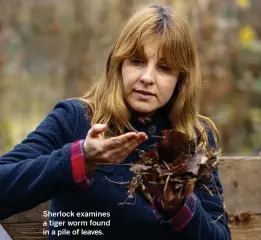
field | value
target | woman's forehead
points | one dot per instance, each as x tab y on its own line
154	47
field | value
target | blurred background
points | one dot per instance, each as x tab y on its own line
54	49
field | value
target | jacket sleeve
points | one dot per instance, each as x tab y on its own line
40	167
203	216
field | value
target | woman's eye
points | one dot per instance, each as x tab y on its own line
137	60
164	68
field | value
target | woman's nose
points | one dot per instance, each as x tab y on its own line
147	76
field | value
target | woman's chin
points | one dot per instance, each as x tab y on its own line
144	110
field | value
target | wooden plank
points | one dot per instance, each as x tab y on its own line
241	182
22	231
247	231
33	215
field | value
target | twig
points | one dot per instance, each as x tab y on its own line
208	189
126	203
166	184
167	166
180	191
120	183
154	136
240	158
216	162
220	216
215	184
109	163
165	174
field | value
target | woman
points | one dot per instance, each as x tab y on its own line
83	147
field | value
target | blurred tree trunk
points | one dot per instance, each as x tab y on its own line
77	68
80	65
216	37
8	21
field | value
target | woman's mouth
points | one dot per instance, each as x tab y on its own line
144	95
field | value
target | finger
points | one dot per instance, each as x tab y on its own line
96	130
120	153
124	138
142	137
155	189
118	148
168	194
120	141
131	146
189	188
132	135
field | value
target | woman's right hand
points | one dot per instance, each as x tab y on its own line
112	150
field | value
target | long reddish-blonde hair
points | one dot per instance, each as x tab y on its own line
105	99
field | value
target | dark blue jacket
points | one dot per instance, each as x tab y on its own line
40	168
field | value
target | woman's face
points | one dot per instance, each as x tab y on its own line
148	83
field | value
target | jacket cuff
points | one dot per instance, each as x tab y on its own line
78	165
182	218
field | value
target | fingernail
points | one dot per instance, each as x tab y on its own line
143	135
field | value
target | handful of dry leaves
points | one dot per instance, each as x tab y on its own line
176	161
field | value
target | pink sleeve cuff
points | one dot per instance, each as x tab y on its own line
78	165
182	218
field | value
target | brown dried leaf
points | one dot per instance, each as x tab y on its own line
175	144
137	167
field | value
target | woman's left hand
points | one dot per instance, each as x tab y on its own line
171	201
